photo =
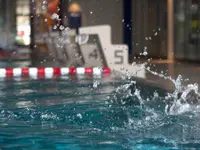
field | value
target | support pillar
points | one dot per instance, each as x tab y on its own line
170	8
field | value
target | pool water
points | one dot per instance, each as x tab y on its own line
91	114
58	114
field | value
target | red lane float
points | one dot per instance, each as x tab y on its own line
51	72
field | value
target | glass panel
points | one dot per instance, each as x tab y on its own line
7	24
46	22
23	30
23	7
195	22
47	17
23	22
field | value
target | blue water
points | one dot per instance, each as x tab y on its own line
90	114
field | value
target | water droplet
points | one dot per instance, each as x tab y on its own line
62	27
79	116
95	84
155	94
55	27
55	16
145	53
77	55
122	68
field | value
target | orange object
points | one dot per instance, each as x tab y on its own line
74	7
49	20
53	6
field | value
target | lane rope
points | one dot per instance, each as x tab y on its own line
51	72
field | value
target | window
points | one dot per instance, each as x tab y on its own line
23	22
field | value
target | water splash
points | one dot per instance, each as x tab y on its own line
145	53
183	99
171	120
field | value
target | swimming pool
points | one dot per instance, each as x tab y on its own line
90	114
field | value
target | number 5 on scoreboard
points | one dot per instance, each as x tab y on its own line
119	57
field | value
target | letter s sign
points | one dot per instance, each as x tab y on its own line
119	56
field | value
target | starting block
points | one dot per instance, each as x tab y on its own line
91	48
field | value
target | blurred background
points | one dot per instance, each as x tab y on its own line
168	29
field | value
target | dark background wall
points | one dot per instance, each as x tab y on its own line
187	30
7	22
98	12
150	27
147	17
147	22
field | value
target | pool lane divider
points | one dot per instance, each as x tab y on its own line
51	72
